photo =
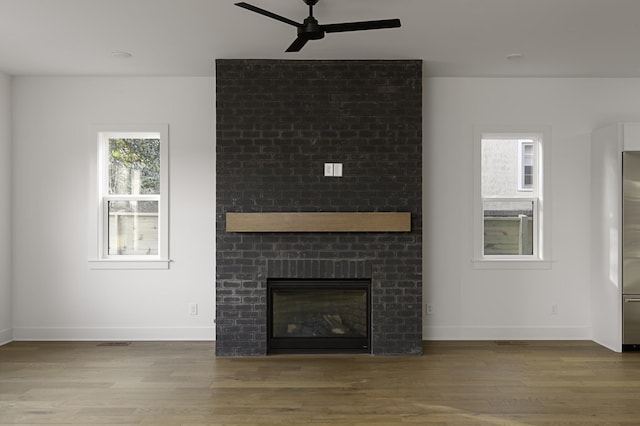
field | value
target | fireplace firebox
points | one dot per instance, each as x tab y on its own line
319	316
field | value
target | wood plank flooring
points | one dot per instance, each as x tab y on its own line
184	383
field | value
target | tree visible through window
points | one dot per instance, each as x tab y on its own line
129	191
134	195
134	166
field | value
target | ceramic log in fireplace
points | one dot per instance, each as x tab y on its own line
319	316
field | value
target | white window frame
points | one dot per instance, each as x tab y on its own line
99	257
541	258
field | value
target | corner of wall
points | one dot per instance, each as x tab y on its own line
6	191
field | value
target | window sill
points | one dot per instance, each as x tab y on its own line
511	264
129	264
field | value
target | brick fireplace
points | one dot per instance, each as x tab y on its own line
278	122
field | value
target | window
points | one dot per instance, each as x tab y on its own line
130	195
525	165
510	208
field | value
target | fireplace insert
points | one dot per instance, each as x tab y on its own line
319	316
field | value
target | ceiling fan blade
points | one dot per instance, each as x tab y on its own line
268	14
361	26
297	44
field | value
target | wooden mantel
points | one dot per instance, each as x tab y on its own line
319	222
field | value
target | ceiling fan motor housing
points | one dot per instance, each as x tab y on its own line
310	29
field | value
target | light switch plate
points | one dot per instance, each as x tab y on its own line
337	169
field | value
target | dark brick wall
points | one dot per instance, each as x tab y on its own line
278	122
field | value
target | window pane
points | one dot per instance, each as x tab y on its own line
507	167
133	228
499	168
527	165
508	227
134	166
527	154
528	176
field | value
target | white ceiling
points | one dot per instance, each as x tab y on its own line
557	38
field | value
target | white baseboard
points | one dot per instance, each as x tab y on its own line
113	333
506	333
208	333
6	336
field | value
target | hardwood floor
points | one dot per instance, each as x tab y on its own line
183	383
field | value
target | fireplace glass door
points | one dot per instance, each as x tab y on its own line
311	316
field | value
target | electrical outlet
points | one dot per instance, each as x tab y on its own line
429	309
328	169
193	308
554	309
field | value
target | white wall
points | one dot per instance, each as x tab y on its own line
473	303
56	295
6	324
606	218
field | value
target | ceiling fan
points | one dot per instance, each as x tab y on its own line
309	29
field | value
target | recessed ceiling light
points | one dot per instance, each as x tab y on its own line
121	54
515	56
